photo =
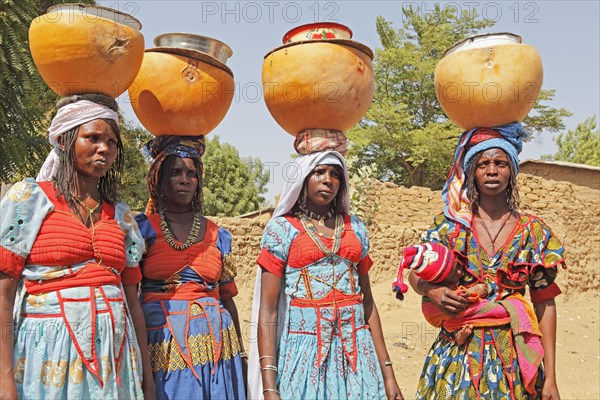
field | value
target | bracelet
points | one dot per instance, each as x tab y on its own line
388	363
269	368
243	354
270	390
261	358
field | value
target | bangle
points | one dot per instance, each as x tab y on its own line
243	354
270	390
269	368
388	363
261	358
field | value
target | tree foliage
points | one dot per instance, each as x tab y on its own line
581	146
26	103
134	189
232	185
405	132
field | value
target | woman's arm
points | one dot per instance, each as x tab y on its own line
546	315
8	288
443	297
229	305
139	324
267	332
372	318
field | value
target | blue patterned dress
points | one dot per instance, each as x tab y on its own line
486	366
326	350
193	346
74	338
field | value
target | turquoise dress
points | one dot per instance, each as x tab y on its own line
326	350
486	366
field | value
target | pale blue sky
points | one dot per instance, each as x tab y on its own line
565	33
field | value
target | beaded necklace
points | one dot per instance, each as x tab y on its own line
314	234
192	236
318	217
90	212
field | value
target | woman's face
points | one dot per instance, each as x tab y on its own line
323	184
95	148
181	183
493	172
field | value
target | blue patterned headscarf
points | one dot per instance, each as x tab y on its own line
508	137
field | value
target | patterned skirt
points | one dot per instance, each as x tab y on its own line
194	350
484	367
102	362
327	353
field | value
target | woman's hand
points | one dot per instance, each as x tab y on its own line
447	300
550	390
392	390
8	388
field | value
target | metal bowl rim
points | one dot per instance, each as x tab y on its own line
81	6
192	35
460	43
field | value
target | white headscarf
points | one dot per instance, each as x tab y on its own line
69	117
303	166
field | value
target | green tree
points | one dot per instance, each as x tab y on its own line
581	146
405	132
232	185
26	103
134	189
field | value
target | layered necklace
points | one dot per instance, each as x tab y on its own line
314	234
192	236
318	217
91	212
495	237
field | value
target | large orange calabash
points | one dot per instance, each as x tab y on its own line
317	84
489	86
77	51
177	95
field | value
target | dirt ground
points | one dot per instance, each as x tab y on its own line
408	337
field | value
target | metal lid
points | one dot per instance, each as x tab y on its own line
92	12
207	45
482	41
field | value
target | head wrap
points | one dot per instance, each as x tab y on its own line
509	138
161	147
315	140
69	117
297	172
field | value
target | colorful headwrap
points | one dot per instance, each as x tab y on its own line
69	117
161	147
509	138
315	140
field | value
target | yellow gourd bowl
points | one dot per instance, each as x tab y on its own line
314	84
83	49
489	85
174	94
